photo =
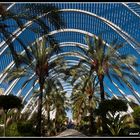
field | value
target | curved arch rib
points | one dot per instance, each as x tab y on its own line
82	58
116	28
131	10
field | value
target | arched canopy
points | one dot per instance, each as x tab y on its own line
110	20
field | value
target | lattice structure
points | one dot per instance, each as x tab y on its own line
111	20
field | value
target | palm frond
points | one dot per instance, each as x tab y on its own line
16	73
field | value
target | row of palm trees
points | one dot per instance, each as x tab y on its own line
38	63
36	58
103	61
41	67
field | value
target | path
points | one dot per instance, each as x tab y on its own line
71	133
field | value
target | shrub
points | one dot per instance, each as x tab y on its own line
12	130
111	124
26	128
136	115
1	131
113	106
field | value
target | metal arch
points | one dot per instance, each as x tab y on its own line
81	57
75	30
70	90
117	88
91	35
131	9
24	109
82	32
16	80
10	6
76	44
109	23
131	88
119	91
17	32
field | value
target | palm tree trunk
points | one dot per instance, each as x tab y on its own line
39	116
101	79
5	118
91	115
48	115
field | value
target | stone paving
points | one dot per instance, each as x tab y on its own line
71	133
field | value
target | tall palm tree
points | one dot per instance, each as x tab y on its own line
60	105
37	69
104	60
56	100
51	87
37	14
84	92
79	106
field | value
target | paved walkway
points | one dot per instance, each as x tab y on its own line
71	133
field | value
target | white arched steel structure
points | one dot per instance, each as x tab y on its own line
116	28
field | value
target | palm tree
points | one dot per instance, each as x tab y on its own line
9	102
104	60
60	105
55	100
37	14
84	92
51	87
79	107
48	104
37	69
